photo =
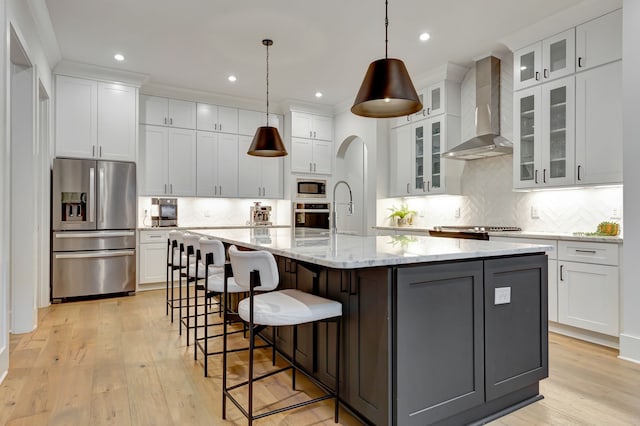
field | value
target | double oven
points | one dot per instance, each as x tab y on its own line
311	209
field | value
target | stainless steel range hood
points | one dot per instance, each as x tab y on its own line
487	142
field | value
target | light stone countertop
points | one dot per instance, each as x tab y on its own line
351	251
183	228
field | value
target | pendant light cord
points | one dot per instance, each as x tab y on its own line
267	44
386	28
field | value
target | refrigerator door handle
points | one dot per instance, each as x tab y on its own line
94	254
94	234
92	195
101	190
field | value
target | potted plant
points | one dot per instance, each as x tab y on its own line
402	216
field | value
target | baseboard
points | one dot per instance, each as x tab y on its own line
586	335
629	348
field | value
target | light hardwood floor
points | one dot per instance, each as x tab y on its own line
120	361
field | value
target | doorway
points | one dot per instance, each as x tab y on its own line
351	166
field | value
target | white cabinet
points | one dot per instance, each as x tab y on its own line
599	125
544	130
545	60
167	161
311	156
215	118
258	177
416	164
438	98
588	286
152	256
217	165
161	111
95	119
311	126
599	41
249	121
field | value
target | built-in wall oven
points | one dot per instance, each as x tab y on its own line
311	188
311	215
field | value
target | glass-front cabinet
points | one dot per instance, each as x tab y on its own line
436	135
544	153
527	63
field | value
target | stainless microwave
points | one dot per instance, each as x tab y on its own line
311	188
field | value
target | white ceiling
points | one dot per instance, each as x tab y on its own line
318	46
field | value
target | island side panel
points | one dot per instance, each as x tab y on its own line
439	341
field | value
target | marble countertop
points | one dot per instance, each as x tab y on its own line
350	251
182	228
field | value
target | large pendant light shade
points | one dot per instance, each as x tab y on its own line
267	141
387	90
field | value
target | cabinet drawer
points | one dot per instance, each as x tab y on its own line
153	236
601	253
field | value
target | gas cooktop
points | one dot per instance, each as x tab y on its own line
469	232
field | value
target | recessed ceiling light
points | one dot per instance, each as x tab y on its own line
118	57
318	94
232	78
425	36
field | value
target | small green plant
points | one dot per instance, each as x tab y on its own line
402	215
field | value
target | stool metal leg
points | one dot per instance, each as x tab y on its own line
337	390
295	345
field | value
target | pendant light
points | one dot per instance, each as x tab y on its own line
387	90
267	141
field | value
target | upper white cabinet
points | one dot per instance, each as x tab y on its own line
416	164
551	58
167	112
309	156
217	165
311	126
544	152
215	118
438	98
599	125
599	41
95	119
167	161
258	177
249	121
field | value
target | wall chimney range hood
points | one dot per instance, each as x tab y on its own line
487	142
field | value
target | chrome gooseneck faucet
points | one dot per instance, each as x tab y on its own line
334	214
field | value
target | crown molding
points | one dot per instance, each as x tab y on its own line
78	69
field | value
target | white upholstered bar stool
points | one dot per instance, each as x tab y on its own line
176	261
190	273
257	273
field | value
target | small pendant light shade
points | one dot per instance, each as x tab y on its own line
267	141
387	90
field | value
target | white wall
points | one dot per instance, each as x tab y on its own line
630	292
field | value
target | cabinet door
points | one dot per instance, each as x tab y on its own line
436	99
558	138
322	157
182	114
153	165
599	41
153	263
116	122
301	125
227	165
401	166
227	119
419	151
526	66
439	339
552	279
435	144
599	125
272	177
182	162
322	128
207	117
248	122
588	296
301	155
526	132
76	117
249	170
558	55
154	110
206	164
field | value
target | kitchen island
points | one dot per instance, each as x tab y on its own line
435	330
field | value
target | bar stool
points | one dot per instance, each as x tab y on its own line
257	271
190	273
175	262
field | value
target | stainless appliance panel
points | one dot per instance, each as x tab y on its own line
73	198
93	240
116	190
93	272
311	188
311	215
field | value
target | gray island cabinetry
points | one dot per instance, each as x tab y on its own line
435	331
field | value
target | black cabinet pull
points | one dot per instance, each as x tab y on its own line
561	267
535	179
579	61
544	175
545	73
579	169
537	76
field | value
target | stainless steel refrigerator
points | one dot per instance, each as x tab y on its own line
93	240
